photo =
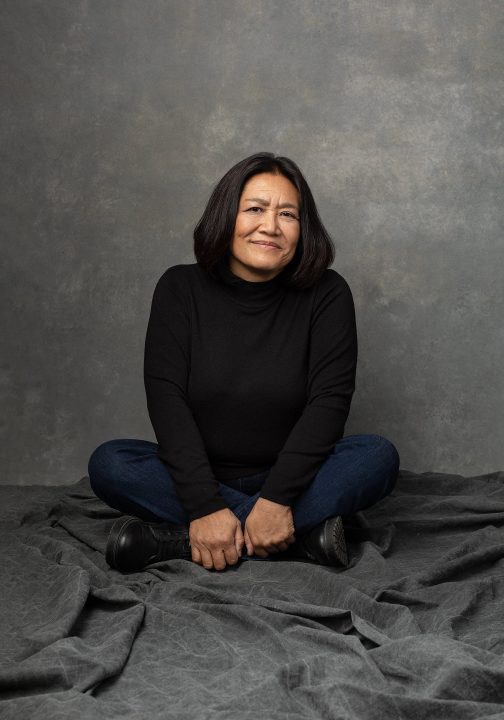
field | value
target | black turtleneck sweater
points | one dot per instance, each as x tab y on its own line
242	376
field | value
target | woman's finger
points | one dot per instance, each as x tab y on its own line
260	551
239	540
248	543
206	558
231	555
283	546
218	559
196	555
273	549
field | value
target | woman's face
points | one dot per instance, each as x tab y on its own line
267	228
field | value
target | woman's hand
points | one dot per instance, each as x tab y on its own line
216	539
269	528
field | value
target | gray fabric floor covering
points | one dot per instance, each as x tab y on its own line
413	629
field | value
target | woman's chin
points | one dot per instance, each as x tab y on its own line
255	273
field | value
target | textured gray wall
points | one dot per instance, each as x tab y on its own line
118	117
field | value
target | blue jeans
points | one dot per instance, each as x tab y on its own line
129	476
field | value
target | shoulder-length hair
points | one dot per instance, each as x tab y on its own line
214	231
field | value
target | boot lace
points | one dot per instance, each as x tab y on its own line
173	542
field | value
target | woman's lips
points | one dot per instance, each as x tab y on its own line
272	246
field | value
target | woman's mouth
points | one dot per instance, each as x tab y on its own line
272	246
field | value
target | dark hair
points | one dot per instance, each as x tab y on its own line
214	231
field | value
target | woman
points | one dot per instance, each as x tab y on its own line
249	371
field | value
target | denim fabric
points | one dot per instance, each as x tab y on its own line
129	476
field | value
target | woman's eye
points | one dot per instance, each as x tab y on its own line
285	213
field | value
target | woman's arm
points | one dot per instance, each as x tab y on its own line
331	383
215	532
166	371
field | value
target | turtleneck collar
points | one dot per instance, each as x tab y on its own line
247	293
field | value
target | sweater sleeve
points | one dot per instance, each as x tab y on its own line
166	372
331	383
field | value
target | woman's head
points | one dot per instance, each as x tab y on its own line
253	203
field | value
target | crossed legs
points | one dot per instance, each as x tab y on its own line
128	475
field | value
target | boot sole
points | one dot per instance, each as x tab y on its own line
335	540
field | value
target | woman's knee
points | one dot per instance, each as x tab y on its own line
381	458
104	467
386	457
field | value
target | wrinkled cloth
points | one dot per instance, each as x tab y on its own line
414	628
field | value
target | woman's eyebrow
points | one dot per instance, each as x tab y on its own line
260	201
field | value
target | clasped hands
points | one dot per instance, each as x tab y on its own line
217	539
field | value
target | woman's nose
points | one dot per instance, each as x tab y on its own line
270	222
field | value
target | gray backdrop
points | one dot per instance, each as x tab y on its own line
117	118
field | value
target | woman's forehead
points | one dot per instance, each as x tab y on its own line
268	187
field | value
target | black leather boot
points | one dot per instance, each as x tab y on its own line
324	544
132	543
